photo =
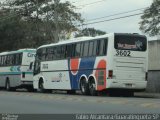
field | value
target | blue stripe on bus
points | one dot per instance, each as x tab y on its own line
85	63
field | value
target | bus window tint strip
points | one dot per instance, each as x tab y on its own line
11	59
75	50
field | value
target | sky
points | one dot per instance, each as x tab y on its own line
91	9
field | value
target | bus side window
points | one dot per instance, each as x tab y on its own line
90	53
105	47
39	54
54	53
69	51
0	61
63	55
18	59
82	46
3	60
49	53
43	54
101	50
98	48
85	49
59	51
77	50
102	47
12	60
95	48
6	62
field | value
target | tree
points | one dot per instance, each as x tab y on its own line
15	32
31	23
9	30
150	23
90	32
48	16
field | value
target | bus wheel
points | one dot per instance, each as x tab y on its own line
7	86
48	91
92	88
41	87
128	94
71	91
84	87
30	89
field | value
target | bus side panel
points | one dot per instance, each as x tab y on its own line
100	73
78	67
56	80
15	80
11	73
27	73
2	80
55	75
28	57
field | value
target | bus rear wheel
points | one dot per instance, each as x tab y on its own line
128	94
41	87
31	89
84	87
92	88
71	92
7	86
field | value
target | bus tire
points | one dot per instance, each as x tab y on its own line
41	87
48	91
84	87
30	89
7	85
128	94
92	88
71	92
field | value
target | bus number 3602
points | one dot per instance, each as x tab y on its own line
123	53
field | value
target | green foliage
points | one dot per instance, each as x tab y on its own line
16	33
31	23
150	23
44	11
90	32
9	31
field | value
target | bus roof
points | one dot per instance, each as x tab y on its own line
18	51
74	40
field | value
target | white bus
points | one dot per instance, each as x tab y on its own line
16	69
115	63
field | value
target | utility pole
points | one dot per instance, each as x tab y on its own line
56	35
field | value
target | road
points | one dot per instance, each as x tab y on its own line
38	103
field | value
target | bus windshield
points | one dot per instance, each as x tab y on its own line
130	42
